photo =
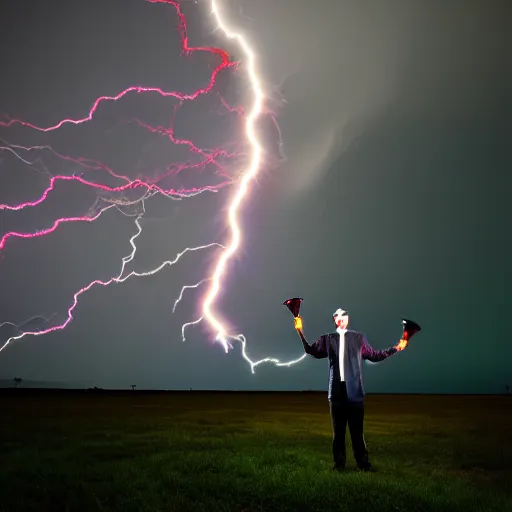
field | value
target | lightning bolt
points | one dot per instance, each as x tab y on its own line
251	172
150	188
223	336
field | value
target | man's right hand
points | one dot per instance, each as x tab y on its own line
298	323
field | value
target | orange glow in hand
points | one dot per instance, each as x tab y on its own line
402	344
298	323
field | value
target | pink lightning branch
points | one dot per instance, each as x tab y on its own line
148	188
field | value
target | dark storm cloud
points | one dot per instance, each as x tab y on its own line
393	200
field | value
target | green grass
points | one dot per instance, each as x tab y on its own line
249	452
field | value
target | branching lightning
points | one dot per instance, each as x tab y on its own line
148	188
188	287
119	279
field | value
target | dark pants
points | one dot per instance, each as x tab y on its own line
343	412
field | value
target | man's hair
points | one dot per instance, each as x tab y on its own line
340	312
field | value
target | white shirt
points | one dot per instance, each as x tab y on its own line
342	332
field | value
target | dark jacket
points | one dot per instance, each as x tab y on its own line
356	349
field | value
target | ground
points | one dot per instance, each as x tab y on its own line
250	452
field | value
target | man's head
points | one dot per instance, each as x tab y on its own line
340	318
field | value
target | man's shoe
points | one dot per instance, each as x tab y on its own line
366	466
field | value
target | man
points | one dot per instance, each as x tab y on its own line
346	349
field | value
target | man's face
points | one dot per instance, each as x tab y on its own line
340	318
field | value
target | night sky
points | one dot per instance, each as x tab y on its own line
393	200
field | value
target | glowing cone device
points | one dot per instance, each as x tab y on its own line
293	305
410	328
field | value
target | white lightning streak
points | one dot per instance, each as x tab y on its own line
188	287
188	324
18	156
251	172
29	320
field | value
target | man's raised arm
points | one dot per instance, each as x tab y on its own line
318	349
370	354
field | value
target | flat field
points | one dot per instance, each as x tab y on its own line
251	452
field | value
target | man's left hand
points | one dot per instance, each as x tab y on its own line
402	344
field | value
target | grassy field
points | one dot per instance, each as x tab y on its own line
251	452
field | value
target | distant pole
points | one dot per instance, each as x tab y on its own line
17	381
507	387
133	386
